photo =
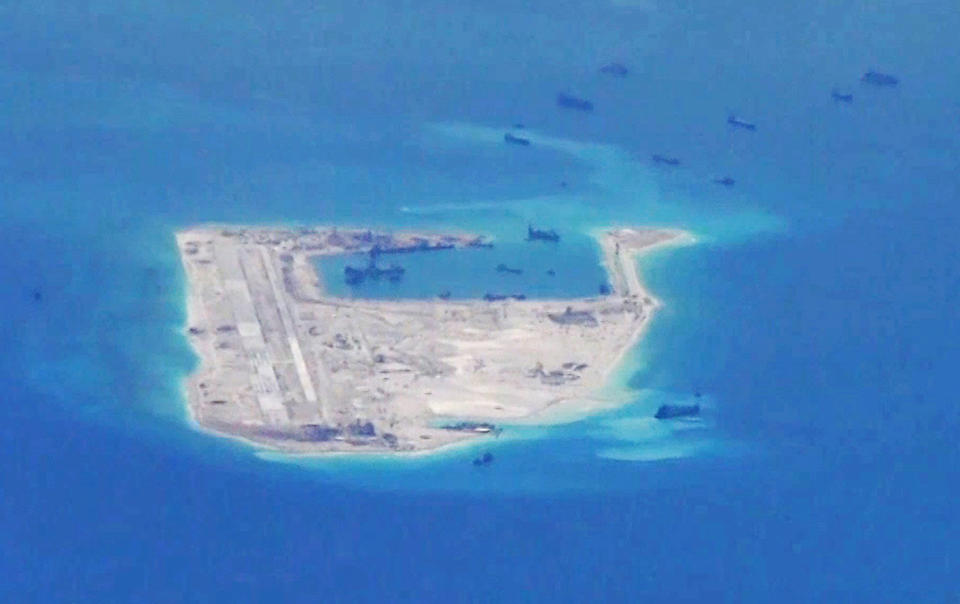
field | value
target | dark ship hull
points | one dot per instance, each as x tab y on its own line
542	235
739	123
571	102
516	140
674	411
876	78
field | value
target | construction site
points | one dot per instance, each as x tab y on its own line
287	366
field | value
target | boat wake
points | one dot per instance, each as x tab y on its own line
444	208
642	436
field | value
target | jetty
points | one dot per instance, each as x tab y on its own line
417	244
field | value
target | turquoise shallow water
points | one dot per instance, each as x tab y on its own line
567	269
814	313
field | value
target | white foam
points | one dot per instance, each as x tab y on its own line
655	451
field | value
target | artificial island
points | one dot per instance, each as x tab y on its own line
288	366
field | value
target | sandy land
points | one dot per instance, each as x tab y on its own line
289	367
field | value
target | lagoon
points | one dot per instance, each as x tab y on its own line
471	273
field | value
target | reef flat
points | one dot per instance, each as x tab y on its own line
289	367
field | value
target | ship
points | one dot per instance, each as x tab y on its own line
516	140
484	460
503	268
674	411
490	297
841	97
725	181
356	276
419	245
571	102
665	160
479	427
541	235
479	242
739	123
618	70
877	78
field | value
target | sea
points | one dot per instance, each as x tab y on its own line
815	314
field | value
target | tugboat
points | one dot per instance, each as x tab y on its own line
516	140
541	235
571	102
877	78
483	460
739	123
667	161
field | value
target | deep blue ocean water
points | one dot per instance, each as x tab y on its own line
816	313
